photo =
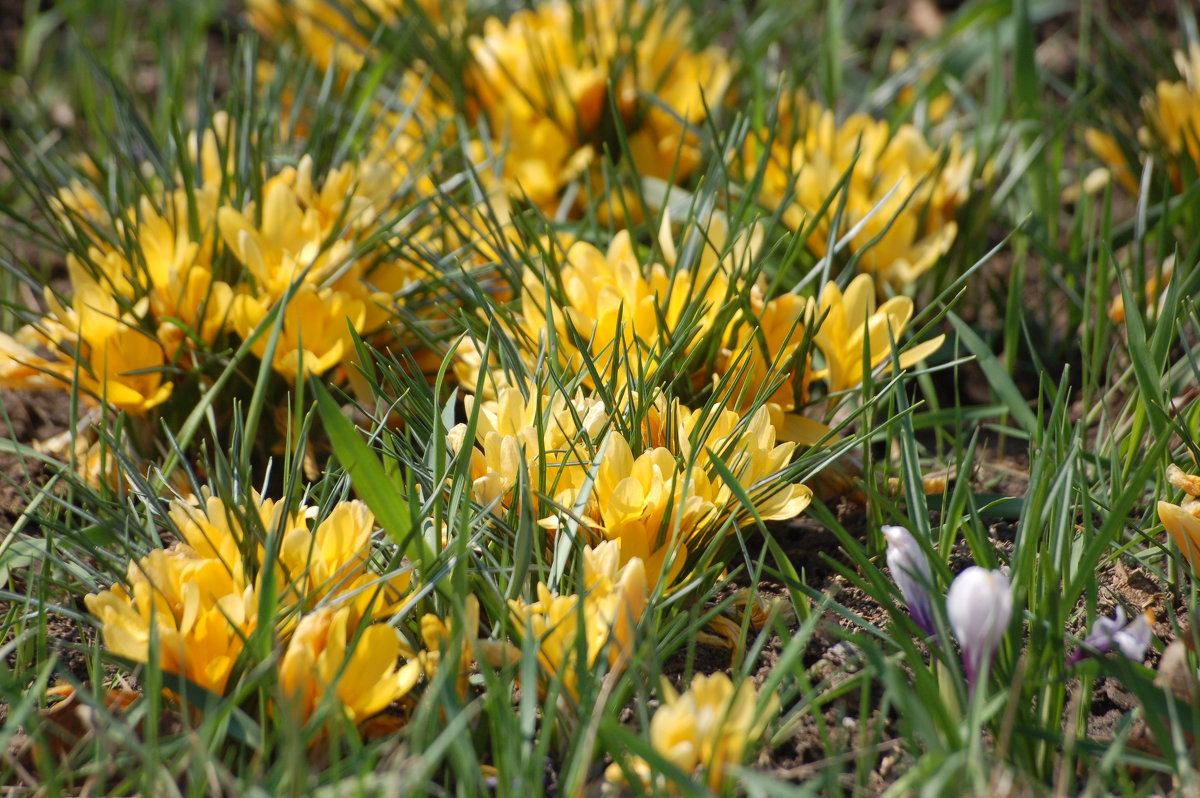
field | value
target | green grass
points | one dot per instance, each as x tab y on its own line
1033	379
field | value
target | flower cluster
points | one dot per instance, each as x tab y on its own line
149	300
331	33
660	502
603	616
623	318
193	607
900	194
979	603
548	79
648	390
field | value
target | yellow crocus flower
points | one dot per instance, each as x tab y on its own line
549	432
707	729
608	610
325	564
749	450
1172	130
903	192
1182	521
315	335
331	561
195	611
325	657
542	81
848	320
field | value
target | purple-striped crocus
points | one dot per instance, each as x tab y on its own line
910	570
1131	639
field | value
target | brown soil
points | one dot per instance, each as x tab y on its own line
27	417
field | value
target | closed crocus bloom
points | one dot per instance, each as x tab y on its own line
979	606
324	656
911	572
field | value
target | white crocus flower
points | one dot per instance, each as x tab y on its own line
979	606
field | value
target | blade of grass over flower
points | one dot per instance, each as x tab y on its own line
382	495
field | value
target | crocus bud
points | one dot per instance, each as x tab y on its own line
910	570
979	605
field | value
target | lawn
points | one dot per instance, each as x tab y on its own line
599	397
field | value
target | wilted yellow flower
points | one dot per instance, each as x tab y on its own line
849	320
94	460
1188	483
706	730
810	154
324	655
192	610
607	611
542	81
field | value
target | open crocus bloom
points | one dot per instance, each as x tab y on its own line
851	319
325	655
708	728
613	601
188	609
